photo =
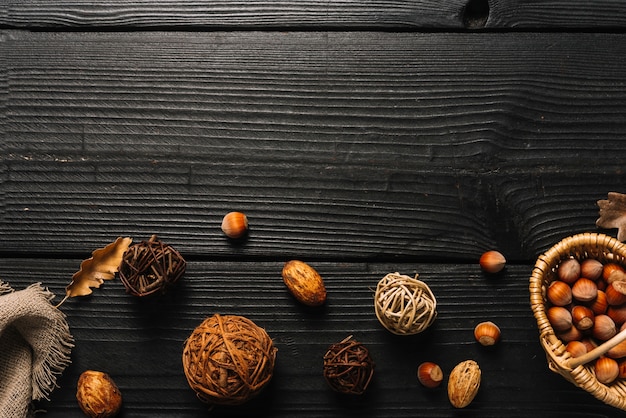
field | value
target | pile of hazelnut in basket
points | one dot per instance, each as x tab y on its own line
586	307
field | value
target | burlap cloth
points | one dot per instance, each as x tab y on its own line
35	347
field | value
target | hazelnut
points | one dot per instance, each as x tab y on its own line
571	334
97	395
600	304
589	343
606	369
569	270
584	290
559	293
618	352
604	327
235	225
617	314
582	317
429	374
487	333
591	269
492	261
622	369
576	348
560	318
616	276
609	268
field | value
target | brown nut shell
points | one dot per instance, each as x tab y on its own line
492	261
304	283
97	394
569	270
559	293
429	374
606	370
463	383
591	269
235	225
487	333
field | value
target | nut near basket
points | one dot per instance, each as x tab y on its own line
578	369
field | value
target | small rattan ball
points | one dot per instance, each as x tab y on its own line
228	360
151	266
348	367
404	305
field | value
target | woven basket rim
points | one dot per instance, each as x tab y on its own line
580	246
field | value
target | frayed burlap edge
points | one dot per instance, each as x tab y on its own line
51	364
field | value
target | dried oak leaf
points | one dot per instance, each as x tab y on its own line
102	265
613	214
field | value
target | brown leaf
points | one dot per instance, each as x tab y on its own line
102	266
613	214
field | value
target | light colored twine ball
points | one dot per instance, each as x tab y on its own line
228	359
404	305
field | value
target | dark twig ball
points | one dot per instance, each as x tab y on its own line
150	266
348	367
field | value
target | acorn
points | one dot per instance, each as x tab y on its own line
492	261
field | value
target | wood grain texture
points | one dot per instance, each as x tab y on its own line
362	137
315	15
139	342
369	145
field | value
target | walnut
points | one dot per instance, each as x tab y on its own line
97	395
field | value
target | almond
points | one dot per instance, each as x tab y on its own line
304	283
463	383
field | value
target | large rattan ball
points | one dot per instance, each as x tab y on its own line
228	360
348	367
404	305
150	267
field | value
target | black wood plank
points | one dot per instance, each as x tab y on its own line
139	342
352	145
349	14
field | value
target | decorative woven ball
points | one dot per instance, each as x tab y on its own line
404	305
150	266
348	367
228	360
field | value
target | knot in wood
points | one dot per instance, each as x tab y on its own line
151	266
348	367
404	305
228	360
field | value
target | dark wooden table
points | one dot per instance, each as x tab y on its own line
361	137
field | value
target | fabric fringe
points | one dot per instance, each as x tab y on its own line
5	288
58	357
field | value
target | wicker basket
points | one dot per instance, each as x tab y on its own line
577	370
